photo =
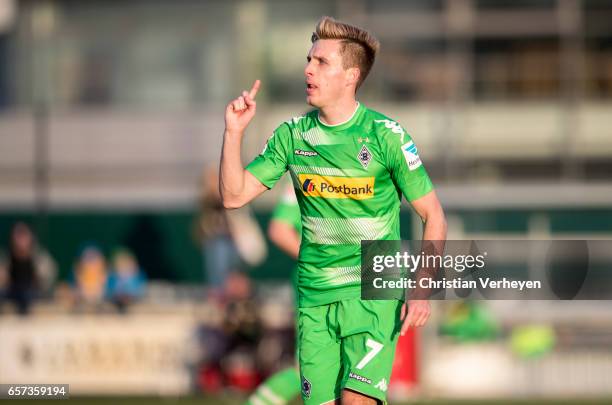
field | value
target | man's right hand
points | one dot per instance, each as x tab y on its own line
240	111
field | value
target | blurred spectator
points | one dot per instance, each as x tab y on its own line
228	350
219	250
22	276
46	272
243	328
64	296
126	282
242	313
23	252
229	238
90	275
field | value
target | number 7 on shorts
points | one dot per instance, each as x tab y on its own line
376	348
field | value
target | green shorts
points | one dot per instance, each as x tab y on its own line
347	344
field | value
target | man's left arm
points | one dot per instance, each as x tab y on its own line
431	213
410	176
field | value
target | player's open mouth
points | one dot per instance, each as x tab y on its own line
310	88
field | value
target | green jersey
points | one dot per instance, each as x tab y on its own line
348	179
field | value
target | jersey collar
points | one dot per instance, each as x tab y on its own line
343	125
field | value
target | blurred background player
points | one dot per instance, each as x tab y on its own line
284	230
231	241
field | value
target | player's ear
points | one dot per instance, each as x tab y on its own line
352	76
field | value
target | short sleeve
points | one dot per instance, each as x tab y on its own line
404	163
270	165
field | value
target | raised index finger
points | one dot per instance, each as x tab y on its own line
254	89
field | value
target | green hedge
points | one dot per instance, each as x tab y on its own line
164	244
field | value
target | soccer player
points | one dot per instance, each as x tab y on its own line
350	166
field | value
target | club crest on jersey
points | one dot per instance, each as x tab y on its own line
306	387
364	156
411	154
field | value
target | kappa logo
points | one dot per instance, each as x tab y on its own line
394	127
382	385
306	387
411	154
295	120
360	378
307	153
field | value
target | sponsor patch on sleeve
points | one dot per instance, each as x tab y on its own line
411	154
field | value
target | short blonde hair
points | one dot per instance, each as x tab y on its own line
358	46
